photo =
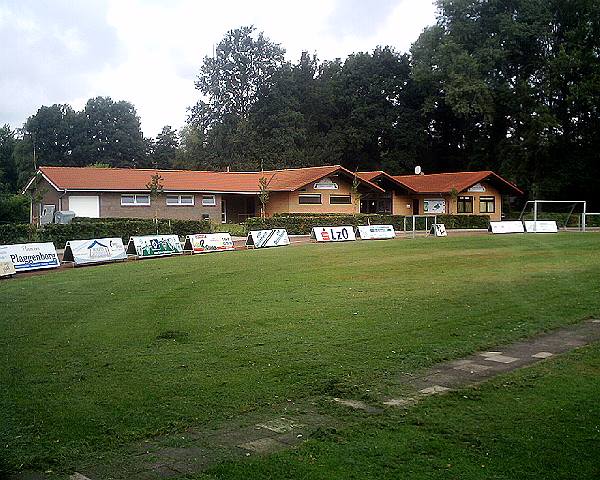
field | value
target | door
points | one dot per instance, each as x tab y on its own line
85	205
415	209
223	211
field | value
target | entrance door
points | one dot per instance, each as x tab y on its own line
415	209
223	211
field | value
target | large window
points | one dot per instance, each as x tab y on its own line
135	200
309	199
487	204
340	199
185	200
209	201
464	205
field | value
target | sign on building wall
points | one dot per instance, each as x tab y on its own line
208	242
154	246
325	184
541	226
507	227
333	234
97	250
267	238
30	256
478	187
438	230
376	232
6	266
434	205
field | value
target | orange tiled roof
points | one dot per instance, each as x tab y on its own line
459	181
128	179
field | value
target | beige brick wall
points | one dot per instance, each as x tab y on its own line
401	204
344	188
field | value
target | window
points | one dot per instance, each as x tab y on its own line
209	201
309	199
464	205
132	200
180	200
487	204
340	199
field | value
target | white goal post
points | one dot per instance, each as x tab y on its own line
574	203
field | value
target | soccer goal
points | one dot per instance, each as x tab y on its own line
566	213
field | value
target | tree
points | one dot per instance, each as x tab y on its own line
109	132
164	148
8	168
155	186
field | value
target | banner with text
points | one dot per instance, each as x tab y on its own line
507	227
267	238
97	250
154	246
333	234
208	242
541	226
30	256
376	232
439	230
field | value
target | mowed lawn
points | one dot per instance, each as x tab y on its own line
96	357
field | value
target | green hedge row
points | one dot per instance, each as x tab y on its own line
14	208
82	230
302	224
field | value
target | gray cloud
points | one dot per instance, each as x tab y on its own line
360	17
49	52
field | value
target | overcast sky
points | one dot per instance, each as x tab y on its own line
148	52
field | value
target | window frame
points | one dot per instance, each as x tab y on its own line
179	197
310	195
209	204
135	202
487	200
461	201
348	196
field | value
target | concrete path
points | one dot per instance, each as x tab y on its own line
197	449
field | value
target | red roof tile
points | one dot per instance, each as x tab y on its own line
459	181
124	179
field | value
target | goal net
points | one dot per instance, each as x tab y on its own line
568	214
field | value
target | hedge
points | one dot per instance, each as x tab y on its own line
14	208
97	228
302	224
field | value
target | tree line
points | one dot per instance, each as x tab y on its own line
507	85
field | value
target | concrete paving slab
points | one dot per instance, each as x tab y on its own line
434	390
473	368
501	359
489	354
542	355
399	402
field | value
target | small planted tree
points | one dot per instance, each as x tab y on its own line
356	195
263	195
155	186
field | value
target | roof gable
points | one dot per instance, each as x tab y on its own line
458	181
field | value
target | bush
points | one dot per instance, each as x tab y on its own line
302	224
85	229
14	209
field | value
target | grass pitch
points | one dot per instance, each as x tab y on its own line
97	357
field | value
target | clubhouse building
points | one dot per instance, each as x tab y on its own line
232	197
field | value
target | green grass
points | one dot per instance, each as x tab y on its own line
96	357
539	422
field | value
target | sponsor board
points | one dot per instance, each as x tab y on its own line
6	266
376	232
506	227
30	256
267	238
434	205
333	234
97	250
208	242
438	230
154	246
541	226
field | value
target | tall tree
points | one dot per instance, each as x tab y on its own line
8	168
164	148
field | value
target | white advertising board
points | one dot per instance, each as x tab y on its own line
333	234
434	205
154	246
208	242
96	250
439	230
30	256
541	226
277	237
376	232
507	227
6	266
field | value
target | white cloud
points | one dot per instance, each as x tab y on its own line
149	52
